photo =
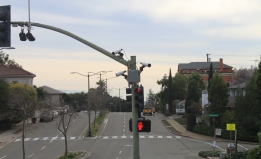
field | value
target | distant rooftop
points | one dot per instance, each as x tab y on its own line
201	65
51	90
7	72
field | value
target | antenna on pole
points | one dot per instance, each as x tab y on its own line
208	60
29	23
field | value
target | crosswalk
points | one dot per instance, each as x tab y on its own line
46	138
141	137
102	137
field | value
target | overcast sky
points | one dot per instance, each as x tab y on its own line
163	33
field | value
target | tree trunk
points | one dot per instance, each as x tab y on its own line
23	139
66	148
94	119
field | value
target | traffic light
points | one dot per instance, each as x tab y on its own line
139	98
30	36
22	35
128	98
5	26
142	125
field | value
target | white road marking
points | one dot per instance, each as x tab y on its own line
26	139
169	137
243	147
30	156
123	137
120	152
45	138
142	136
160	137
178	137
123	129
62	138
106	137
124	122
114	137
123	125
36	139
151	137
16	140
3	157
43	148
127	145
73	138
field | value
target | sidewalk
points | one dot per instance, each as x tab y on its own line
183	132
14	133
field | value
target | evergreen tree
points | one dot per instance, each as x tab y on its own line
210	75
218	96
170	92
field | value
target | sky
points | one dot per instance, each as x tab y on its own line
163	33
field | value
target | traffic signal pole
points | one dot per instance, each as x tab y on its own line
135	134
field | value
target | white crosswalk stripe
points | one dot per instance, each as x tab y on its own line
45	138
141	137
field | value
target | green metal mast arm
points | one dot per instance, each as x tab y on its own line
105	52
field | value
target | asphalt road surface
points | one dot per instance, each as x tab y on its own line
115	141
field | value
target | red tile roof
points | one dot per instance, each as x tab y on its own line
6	71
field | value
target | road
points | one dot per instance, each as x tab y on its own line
45	141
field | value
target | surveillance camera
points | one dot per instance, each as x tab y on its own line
116	52
146	64
120	73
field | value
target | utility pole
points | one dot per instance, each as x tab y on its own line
208	58
135	134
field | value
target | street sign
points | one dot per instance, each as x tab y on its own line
218	131
213	115
231	127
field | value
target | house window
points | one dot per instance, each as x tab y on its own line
185	71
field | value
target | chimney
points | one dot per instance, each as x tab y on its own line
220	65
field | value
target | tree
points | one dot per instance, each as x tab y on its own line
242	75
23	102
4	59
64	123
218	96
210	75
180	83
170	92
4	97
195	87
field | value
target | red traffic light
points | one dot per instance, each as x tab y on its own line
138	90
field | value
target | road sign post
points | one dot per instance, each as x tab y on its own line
230	127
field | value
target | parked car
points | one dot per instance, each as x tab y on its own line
61	110
54	113
46	116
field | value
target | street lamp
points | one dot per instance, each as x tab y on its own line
89	103
119	93
7	48
107	83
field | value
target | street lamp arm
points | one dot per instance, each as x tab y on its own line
103	51
78	73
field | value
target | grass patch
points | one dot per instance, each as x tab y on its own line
72	155
98	122
181	121
165	122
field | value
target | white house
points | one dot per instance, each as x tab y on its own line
16	75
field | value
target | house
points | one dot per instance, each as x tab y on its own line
54	95
233	89
16	75
203	68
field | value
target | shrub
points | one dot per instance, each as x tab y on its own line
209	154
254	153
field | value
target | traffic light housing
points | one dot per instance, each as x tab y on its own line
5	26
139	98
128	98
142	125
